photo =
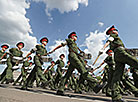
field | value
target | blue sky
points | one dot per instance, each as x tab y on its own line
122	13
82	17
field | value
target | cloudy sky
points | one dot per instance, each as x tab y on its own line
30	20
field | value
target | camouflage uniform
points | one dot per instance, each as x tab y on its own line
75	62
10	63
37	70
60	64
5	57
121	58
23	74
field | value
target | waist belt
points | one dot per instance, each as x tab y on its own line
119	47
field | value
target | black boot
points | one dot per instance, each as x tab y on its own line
119	100
97	88
60	93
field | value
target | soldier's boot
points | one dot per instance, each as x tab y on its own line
108	95
78	90
119	100
97	88
44	84
59	92
14	83
136	94
9	80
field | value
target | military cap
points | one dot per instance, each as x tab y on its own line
52	62
31	63
5	46
109	51
44	39
110	29
72	34
62	55
30	57
20	43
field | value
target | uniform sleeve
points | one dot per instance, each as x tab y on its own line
11	50
57	62
110	39
63	44
106	60
33	50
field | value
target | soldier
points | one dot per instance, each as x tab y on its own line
48	73
60	64
135	77
3	55
108	71
40	51
25	67
121	58
128	84
14	52
75	62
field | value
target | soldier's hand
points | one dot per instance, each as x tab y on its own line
101	51
24	57
39	55
98	67
51	51
82	52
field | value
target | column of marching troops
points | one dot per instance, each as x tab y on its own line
114	83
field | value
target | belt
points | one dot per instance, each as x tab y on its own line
119	47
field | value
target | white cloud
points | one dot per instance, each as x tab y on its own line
62	5
100	24
93	43
14	25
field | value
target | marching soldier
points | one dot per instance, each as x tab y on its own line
3	55
60	64
40	51
48	73
121	58
75	62
25	67
108	71
13	52
134	75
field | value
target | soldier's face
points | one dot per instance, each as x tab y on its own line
74	38
114	32
53	63
30	65
20	46
62	57
29	58
44	43
3	49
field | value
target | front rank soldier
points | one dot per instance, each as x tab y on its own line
39	51
121	57
3	55
25	67
77	62
13	59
